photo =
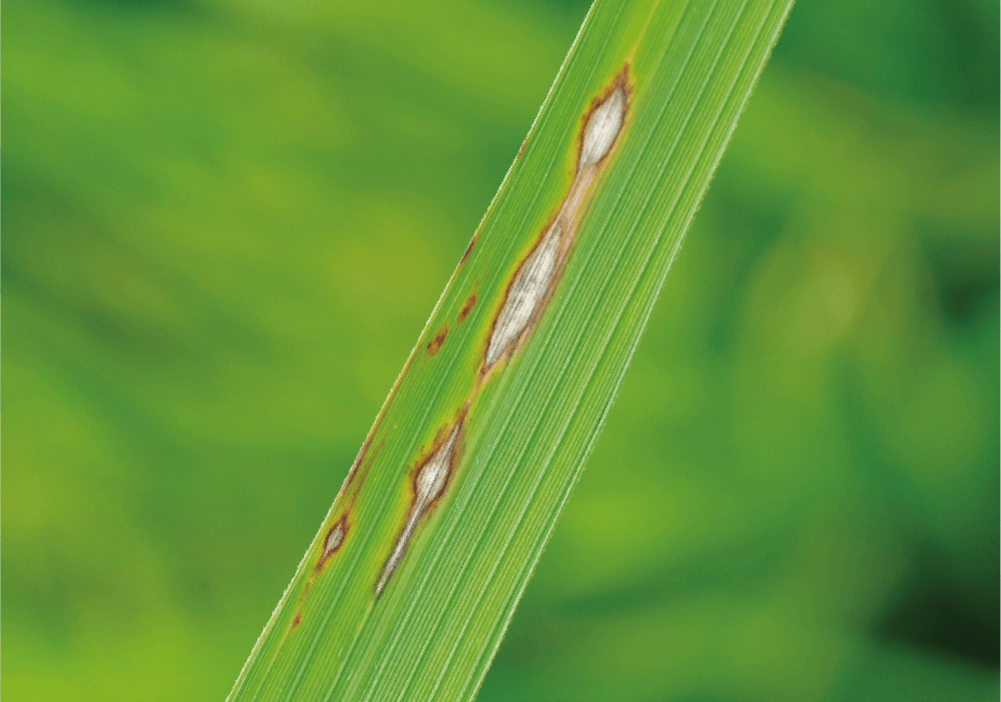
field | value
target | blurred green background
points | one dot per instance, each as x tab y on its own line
226	221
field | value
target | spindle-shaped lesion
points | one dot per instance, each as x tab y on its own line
428	482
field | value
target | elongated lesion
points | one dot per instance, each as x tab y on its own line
335	537
429	481
525	299
533	282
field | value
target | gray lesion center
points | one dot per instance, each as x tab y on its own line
528	288
602	128
334	539
429	483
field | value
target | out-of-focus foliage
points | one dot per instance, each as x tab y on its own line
224	224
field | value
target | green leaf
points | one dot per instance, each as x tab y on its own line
408	587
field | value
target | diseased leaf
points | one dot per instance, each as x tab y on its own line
407	589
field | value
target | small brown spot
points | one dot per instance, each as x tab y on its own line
521	148
465	254
467	307
298	618
436	342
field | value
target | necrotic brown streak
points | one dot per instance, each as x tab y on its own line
465	254
436	342
466	309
